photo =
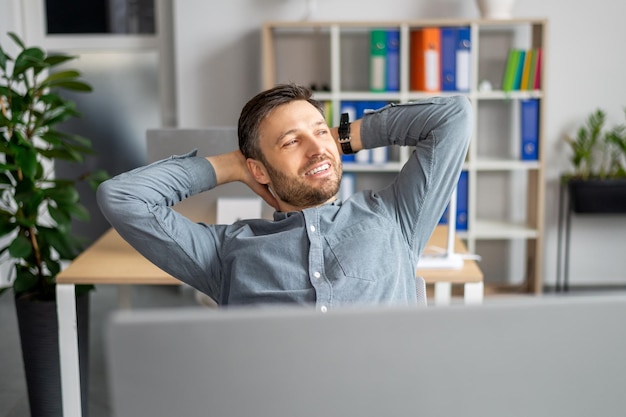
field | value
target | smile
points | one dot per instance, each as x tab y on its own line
321	168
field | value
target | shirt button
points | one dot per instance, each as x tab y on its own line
312	228
323	309
317	274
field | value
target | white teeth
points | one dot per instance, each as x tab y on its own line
318	169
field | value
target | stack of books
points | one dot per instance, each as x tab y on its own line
522	70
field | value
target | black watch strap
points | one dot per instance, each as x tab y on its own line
344	134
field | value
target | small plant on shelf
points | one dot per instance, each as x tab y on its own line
598	152
597	183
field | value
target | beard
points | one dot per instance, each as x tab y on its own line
298	193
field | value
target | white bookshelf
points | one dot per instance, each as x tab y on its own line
506	195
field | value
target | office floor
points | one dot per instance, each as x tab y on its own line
13	395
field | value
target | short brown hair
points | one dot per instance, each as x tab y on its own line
260	106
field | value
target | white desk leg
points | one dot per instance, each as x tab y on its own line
443	293
473	292
68	350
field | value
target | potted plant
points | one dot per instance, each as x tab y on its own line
598	181
36	209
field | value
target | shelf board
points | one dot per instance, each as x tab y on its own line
508	95
416	95
393	167
489	229
494	164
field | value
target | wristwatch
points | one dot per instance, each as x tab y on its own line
344	134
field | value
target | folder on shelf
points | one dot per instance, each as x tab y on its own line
461	204
519	69
532	71
529	123
328	112
448	58
526	68
537	68
378	55
463	65
513	71
425	59
392	62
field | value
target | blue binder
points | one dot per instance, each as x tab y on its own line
392	73
448	58
529	122
462	204
463	65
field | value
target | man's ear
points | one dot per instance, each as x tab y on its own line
258	171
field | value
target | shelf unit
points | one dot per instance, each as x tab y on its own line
505	194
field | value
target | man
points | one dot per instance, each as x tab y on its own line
317	250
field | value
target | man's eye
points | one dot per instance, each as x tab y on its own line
290	142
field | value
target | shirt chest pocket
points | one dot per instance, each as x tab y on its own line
364	251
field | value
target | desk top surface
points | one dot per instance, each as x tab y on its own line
110	260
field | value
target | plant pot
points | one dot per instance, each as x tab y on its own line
597	196
39	337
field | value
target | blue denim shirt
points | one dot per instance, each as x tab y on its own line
361	251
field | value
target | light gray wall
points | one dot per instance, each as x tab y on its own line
217	70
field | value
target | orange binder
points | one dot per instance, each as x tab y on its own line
425	59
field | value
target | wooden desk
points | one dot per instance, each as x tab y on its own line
110	260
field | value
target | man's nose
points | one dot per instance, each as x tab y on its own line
314	146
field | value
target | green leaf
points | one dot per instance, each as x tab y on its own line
62	195
96	178
24	281
79	212
55	115
30	58
27	160
71	85
59	215
64	244
20	247
54	60
6	225
4	177
61	75
61	153
53	266
17	40
4	58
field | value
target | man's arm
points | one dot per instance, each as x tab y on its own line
440	129
138	204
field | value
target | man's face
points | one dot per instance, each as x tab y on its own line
300	156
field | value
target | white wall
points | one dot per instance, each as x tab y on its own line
217	70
